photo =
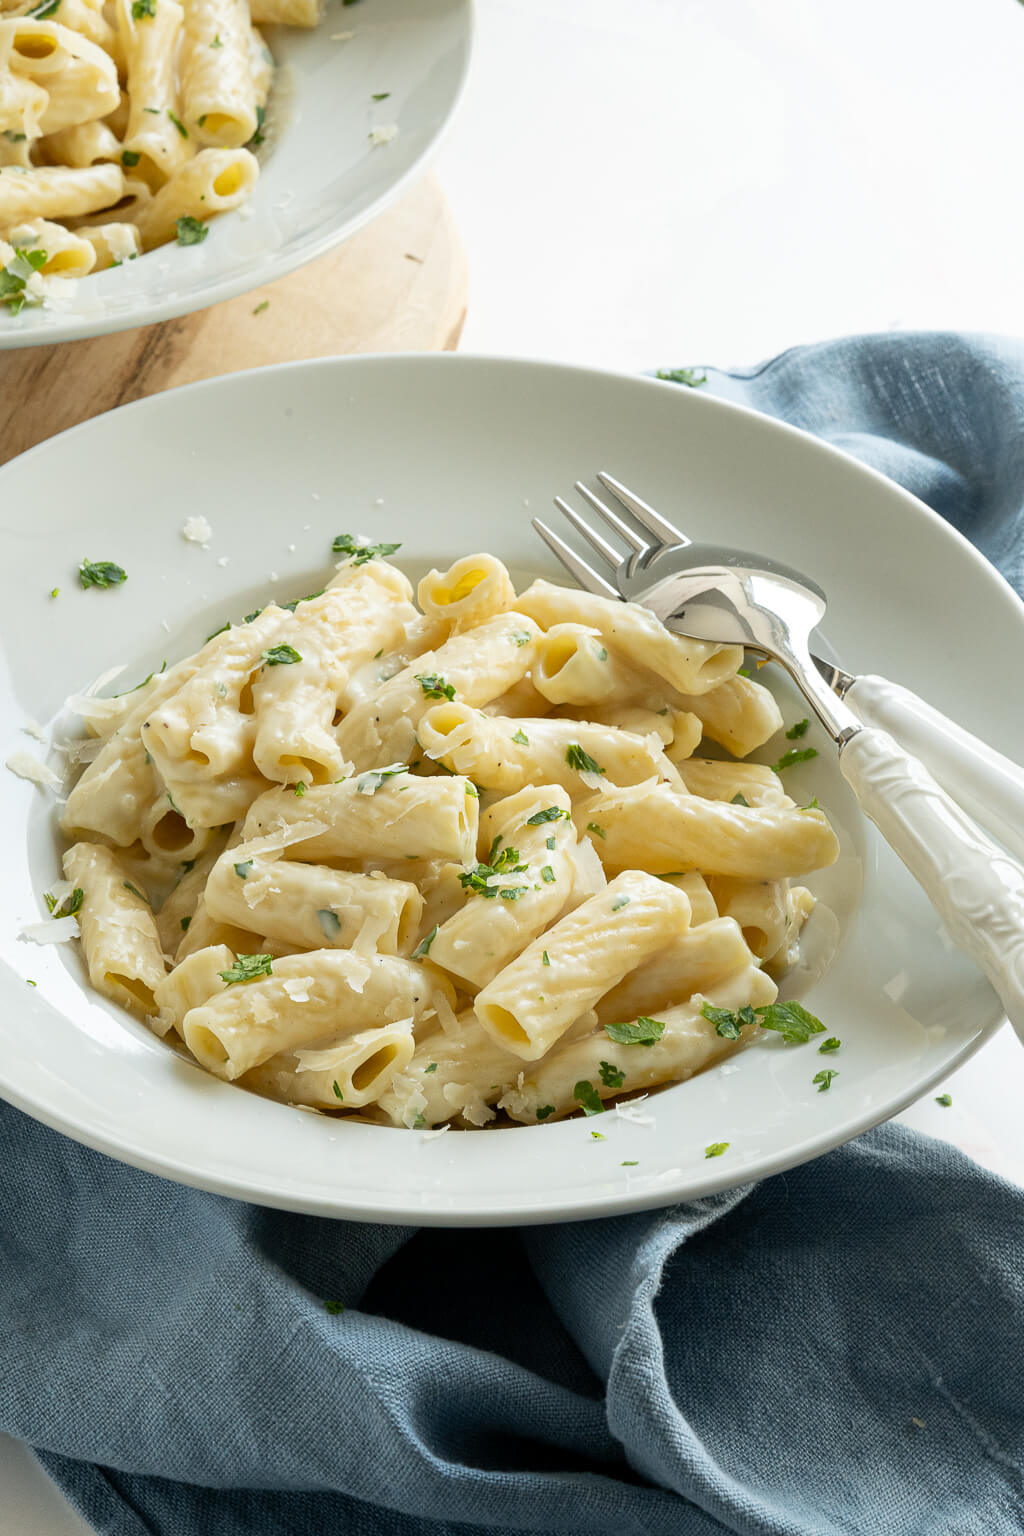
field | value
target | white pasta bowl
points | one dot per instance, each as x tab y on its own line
451	455
321	179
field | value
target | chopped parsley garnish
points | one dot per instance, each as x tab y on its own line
368	783
793	756
521	737
812	805
334	1307
630	1163
130	158
471	790
299	789
55	591
423	947
247	968
419	1123
619	903
796	731
281	656
643	1032
188	865
154	110
791	1020
550	844
742	671
435	687
191	231
129	887
226	625
216	41
432	1068
261	307
547	874
143	8
829	1045
346	544
545	959
687	376
580	760
259	135
547	1109
330	925
380	95
824	1079
945	1099
337	1091
43	10
739	800
602	654
592	826
476	881
241	870
598	1136
521	637
69	906
185	924
291	607
552	813
101	573
611	1075
16	138
184	133
716	1148
588	1098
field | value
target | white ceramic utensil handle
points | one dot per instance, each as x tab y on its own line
974	886
985	783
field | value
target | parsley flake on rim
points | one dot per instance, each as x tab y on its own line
793	756
796	731
588	1098
687	376
435	687
829	1045
281	656
717	1148
945	1099
824	1079
423	947
334	1307
598	1136
348	544
580	760
643	1032
69	906
368	783
101	573
248	968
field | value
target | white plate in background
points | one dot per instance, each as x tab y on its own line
451	454
321	179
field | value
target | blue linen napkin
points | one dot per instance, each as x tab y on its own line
833	1352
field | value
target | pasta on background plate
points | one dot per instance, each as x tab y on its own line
454	862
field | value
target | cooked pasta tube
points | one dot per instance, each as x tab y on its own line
475	588
56	191
702	903
739	714
533	1001
79	78
518	701
204	932
166	835
694	961
303	1001
632	632
458	1072
119	938
190	984
294	737
687	1045
506	754
83	16
67	254
114	792
663	830
477	665
84	144
800	904
112	244
22	104
178	908
377	814
218	96
348	1075
214	182
761	907
510	909
261	64
311	905
150	44
679	730
574	666
135	194
287	13
725	781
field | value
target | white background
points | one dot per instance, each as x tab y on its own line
647	182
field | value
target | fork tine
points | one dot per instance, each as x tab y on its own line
630	535
609	554
645	515
584	574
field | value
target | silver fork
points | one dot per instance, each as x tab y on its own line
988	785
727	597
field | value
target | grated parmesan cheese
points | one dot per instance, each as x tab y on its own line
197	530
632	1112
28	767
34	729
384	133
57	931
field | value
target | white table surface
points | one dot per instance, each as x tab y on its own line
688	181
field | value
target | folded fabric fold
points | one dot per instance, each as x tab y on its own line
833	1352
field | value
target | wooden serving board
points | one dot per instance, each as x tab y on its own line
400	285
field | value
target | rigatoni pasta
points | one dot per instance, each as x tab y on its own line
448	867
